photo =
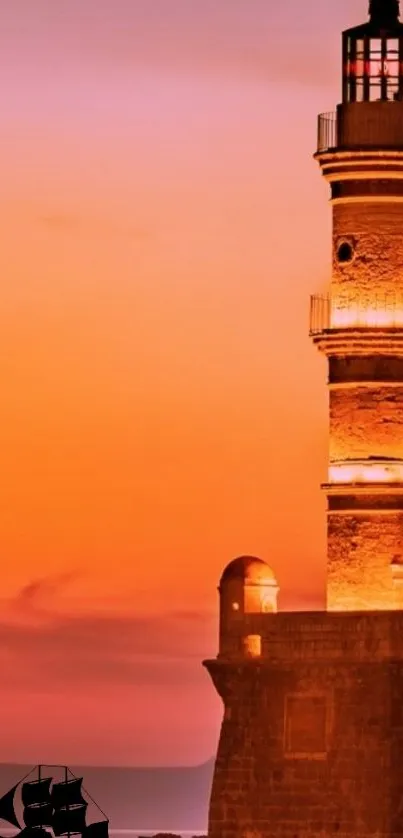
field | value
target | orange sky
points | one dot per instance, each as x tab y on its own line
163	410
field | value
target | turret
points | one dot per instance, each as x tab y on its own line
248	589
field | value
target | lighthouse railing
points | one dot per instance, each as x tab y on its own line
347	311
327	131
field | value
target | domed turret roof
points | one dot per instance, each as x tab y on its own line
249	569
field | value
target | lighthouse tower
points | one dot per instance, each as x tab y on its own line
359	325
311	742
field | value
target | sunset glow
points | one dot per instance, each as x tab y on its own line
163	410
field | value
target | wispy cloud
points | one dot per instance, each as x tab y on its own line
44	646
37	589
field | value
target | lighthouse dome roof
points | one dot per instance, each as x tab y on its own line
250	570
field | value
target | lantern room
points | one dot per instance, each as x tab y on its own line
373	56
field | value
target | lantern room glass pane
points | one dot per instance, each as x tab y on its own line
375	45
375	91
392	69
359	67
360	48
392	89
375	67
392	46
359	92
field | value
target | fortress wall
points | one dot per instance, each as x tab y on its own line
309	729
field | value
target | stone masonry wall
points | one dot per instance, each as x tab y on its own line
361	548
365	422
377	238
312	735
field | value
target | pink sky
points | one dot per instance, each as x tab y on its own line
162	226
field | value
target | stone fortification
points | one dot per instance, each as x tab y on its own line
312	734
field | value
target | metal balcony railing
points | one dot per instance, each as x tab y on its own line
327	131
344	311
319	314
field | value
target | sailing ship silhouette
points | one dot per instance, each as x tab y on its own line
51	808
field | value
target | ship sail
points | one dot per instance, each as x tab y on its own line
96	830
48	805
7	812
36	791
34	832
69	820
39	814
68	793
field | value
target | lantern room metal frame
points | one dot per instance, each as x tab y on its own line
373	56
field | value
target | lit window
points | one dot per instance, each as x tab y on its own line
235	606
253	645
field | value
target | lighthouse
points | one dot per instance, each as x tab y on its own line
359	324
311	742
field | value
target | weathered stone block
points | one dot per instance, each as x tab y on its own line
366	422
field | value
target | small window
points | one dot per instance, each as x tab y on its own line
253	645
235	606
345	252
